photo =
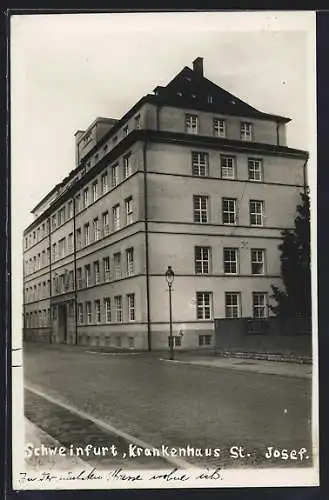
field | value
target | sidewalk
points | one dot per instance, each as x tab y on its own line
251	365
37	437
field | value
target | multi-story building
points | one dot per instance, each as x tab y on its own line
192	177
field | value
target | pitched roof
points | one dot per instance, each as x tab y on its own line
192	89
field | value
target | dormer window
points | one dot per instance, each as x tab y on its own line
179	94
233	101
210	99
193	96
246	132
125	130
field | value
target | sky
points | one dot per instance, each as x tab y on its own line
68	69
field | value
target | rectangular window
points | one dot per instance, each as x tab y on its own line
80	313
94	191
116	217
77	203
70	209
204	340
117	265
191	124
219	127
204	305
96	231
97	311
137	122
200	164
130	261
229	211
246	132
115	175
107	307
131	306
200	209
129	210
127	171
230	260
202	260
85	198
256	211
71	280
62	248
61	216
232	305
105	223
260	308
71	308
87	275
106	268
97	272
177	341
54	222
78	238
88	312
79	277
43	258
70	243
227	167
104	183
118	308
255	169
257	261
54	253
86	234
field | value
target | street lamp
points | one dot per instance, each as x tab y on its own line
170	276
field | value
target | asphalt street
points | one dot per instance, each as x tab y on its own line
176	405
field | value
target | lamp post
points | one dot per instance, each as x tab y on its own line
170	276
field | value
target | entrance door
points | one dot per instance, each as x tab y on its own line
62	322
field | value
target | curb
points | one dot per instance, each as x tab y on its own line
285	358
239	369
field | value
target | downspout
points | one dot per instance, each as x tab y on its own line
50	282
158	117
149	337
24	297
277	134
305	177
75	273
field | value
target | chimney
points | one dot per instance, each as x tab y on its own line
198	65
